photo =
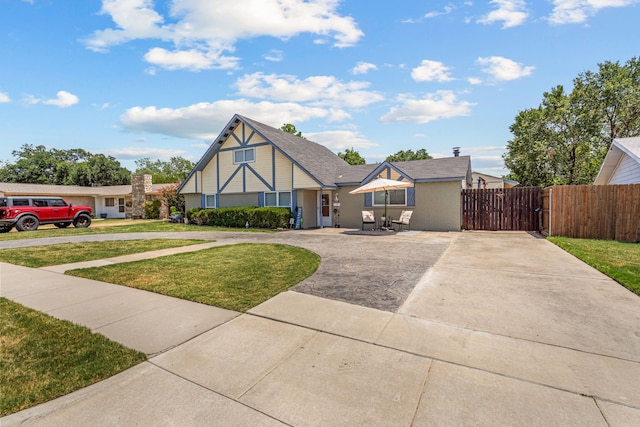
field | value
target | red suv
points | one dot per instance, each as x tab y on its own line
26	213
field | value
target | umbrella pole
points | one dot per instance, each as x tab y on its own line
386	194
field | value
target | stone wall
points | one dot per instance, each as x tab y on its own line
140	186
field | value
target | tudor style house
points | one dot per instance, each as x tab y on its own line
252	164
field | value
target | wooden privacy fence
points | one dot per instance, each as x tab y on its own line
592	211
501	209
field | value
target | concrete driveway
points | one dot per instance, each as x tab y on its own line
482	329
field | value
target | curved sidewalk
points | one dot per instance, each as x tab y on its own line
504	329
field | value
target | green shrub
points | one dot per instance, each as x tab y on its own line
152	209
240	216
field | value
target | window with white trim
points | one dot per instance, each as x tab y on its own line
110	202
278	199
246	155
210	201
395	197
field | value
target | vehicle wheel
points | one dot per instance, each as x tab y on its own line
82	221
61	224
5	229
27	223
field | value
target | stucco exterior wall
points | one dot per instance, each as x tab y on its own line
351	207
437	206
240	199
192	201
308	200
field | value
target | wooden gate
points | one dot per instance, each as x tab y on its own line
494	209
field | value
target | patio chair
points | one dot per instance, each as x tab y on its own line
368	218
405	219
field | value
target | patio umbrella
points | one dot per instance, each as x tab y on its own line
381	184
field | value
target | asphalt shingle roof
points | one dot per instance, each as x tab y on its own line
316	159
67	190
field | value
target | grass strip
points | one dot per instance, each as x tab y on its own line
110	227
66	253
43	358
618	260
236	277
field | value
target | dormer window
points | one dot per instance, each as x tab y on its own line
246	155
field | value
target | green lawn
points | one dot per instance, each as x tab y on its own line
620	261
113	227
43	358
66	253
235	277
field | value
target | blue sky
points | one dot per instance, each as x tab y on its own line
156	79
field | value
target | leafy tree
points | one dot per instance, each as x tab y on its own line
175	170
173	200
403	156
352	157
99	170
565	139
289	128
37	165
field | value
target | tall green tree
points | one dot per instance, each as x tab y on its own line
37	165
404	156
172	171
352	157
565	139
289	128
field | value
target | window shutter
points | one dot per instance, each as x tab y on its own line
203	200
368	199
411	196
261	199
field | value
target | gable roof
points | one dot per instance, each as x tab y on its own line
619	148
317	160
442	169
327	168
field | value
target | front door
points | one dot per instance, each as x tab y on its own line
326	209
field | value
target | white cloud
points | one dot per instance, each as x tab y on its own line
363	68
340	139
317	90
63	99
204	120
447	9
474	80
577	11
191	59
431	70
144	152
500	68
274	55
202	34
442	104
4	98
511	12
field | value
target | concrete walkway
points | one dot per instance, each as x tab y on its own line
499	329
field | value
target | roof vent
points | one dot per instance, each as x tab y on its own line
456	151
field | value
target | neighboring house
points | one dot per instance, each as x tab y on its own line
115	201
621	165
483	181
252	164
